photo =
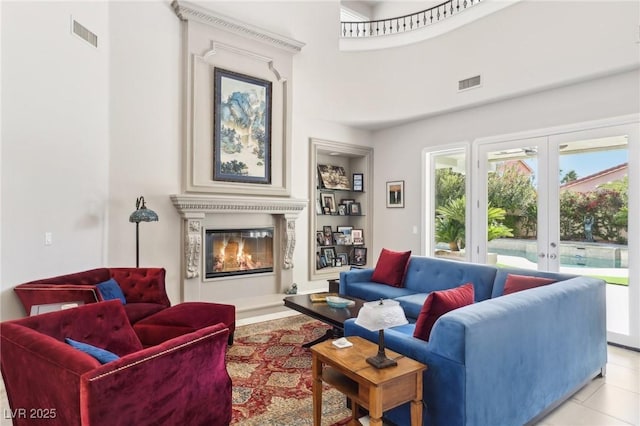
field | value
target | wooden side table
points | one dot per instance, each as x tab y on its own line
377	390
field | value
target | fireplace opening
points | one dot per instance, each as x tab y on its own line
238	251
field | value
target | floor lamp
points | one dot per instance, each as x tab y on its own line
141	214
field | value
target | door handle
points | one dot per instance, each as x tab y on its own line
552	256
553	245
541	255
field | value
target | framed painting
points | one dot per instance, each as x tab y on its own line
333	177
395	194
242	128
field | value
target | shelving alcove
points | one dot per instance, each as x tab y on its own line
353	159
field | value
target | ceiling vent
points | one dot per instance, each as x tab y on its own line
469	83
84	33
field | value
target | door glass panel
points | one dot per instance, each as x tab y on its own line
594	206
449	237
512	210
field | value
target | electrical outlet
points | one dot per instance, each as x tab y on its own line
48	238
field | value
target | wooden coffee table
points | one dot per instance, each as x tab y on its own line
378	390
321	311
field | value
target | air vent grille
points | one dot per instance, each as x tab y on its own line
85	34
468	83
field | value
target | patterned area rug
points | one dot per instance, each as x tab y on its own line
271	374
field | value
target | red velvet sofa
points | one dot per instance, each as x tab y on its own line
182	381
147	306
143	288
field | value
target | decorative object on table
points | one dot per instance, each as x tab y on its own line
354	209
321	297
141	214
333	177
339	302
395	194
357	237
328	202
359	256
242	128
378	316
292	290
358	182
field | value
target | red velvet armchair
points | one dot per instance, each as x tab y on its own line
181	381
143	288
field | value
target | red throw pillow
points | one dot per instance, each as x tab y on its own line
391	267
515	283
439	303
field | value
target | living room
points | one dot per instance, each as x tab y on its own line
86	131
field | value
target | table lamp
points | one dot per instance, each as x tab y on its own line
141	214
378	316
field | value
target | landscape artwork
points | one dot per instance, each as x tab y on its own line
333	177
242	128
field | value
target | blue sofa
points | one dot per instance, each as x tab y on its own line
504	360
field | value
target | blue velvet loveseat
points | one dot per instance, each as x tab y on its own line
503	360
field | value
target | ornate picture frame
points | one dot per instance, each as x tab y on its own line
242	128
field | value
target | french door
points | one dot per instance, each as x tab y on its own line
563	202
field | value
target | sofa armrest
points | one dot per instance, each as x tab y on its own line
514	345
29	357
181	381
352	276
42	294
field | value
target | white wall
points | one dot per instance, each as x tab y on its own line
55	136
146	134
601	98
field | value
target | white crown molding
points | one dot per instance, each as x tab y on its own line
189	11
188	205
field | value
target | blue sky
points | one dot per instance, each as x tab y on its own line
588	163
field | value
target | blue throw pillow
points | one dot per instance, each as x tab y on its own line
102	355
111	290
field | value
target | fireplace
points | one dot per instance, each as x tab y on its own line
238	251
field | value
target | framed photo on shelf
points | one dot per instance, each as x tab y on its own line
328	202
395	194
321	260
327	233
347	201
329	253
241	149
346	231
356	237
354	209
318	207
360	256
358	182
342	209
333	177
320	238
344	259
340	239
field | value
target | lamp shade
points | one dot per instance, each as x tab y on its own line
380	315
142	213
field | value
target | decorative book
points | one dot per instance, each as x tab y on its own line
321	297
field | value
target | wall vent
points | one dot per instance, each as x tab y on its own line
468	83
84	33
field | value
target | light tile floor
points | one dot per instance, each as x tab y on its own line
609	401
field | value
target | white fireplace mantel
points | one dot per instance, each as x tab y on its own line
194	208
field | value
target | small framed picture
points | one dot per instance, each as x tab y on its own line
327	233
322	262
318	207
320	238
340	239
342	209
329	253
358	182
346	231
360	256
395	194
344	259
338	262
347	201
354	209
356	237
328	201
